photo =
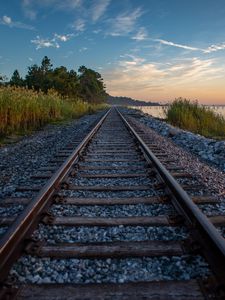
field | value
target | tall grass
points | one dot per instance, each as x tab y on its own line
23	110
196	118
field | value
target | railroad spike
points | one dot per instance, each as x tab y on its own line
48	218
59	199
73	173
33	248
65	185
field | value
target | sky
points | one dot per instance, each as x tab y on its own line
153	50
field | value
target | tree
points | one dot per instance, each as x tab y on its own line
65	82
92	87
39	78
16	79
46	65
34	77
87	85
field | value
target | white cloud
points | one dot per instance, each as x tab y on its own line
214	48
141	35
63	38
30	58
99	9
51	42
44	43
136	76
124	23
79	25
6	20
193	69
83	49
97	31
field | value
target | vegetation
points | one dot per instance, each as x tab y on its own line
22	110
86	84
47	94
196	118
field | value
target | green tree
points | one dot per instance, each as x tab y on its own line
46	65
87	85
16	79
92	87
33	78
65	82
39	78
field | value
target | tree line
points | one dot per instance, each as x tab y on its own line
85	84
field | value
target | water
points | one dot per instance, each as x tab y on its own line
159	111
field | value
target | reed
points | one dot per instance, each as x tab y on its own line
23	110
196	118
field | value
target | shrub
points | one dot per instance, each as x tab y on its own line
196	118
23	110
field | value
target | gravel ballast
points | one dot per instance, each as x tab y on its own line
36	270
18	162
120	194
113	211
209	150
208	173
11	210
55	234
113	182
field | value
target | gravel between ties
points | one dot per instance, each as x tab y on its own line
113	211
208	175
59	234
18	162
47	270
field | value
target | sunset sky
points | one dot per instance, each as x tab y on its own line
152	50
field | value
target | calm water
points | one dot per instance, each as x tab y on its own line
158	111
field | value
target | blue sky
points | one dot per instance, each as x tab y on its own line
146	49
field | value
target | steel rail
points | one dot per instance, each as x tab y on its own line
213	244
11	242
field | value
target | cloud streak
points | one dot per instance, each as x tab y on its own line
211	48
7	21
79	25
30	7
124	23
168	43
141	35
99	9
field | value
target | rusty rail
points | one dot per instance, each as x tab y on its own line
11	242
213	244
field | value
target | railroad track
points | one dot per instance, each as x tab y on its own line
113	222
